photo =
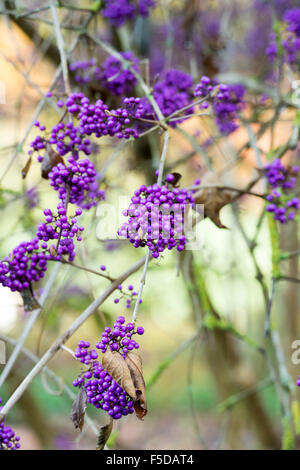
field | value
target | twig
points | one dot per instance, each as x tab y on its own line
227	188
163	158
140	292
166	362
61	48
83	268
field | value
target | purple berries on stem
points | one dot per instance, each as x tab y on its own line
110	74
173	92
102	390
289	41
118	80
119	11
281	180
76	182
130	295
156	217
120	338
8	438
28	262
226	101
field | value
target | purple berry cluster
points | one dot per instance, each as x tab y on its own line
120	338
227	101
110	74
130	296
28	261
279	175
156	217
102	390
114	77
80	67
66	138
96	119
8	438
204	88
23	266
119	11
282	180
171	93
290	41
76	183
61	228
92	120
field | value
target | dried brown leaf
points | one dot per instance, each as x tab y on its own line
78	409
105	432
134	362
213	199
177	178
50	159
26	167
30	302
116	366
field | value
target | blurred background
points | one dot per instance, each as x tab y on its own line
214	391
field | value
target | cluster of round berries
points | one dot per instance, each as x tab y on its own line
68	138
130	296
62	228
28	261
290	39
8	438
23	266
84	354
204	87
281	179
282	206
279	175
156	217
110	74
76	182
118	80
120	338
93	194
173	92
93	120
81	66
102	390
226	101
118	11
96	119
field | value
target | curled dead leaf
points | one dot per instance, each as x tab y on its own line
30	302
26	167
213	199
78	409
116	366
105	432
134	362
50	159
177	178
